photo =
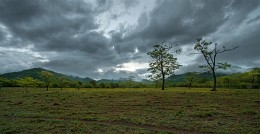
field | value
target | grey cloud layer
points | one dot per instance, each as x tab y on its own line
69	29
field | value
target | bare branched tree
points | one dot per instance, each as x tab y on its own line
210	54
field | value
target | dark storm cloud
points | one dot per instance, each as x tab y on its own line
241	29
184	21
257	18
89	42
241	8
105	5
44	22
249	48
64	27
14	60
67	32
113	8
73	65
2	35
56	25
174	20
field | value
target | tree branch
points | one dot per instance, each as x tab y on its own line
225	49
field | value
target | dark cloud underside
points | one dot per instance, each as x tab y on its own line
67	35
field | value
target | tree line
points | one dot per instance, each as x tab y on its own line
49	80
246	80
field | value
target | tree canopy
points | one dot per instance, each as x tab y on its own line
27	82
163	62
47	77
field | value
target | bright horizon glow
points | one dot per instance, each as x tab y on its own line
131	66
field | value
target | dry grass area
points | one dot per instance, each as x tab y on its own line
175	110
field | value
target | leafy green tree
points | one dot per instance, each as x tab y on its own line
113	85
163	63
47	77
27	82
87	85
210	53
2	81
102	85
62	82
225	81
190	78
73	84
251	77
93	83
255	77
79	84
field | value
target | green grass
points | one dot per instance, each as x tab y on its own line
175	110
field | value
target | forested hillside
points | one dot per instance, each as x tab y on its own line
250	79
35	73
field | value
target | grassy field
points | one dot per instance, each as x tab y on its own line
176	110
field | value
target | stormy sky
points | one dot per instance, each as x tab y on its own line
109	39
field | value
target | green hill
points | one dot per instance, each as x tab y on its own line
182	77
35	73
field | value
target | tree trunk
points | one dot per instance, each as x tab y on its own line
252	83
163	81
163	75
47	85
189	86
214	81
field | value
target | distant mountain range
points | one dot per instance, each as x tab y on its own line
35	73
204	75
